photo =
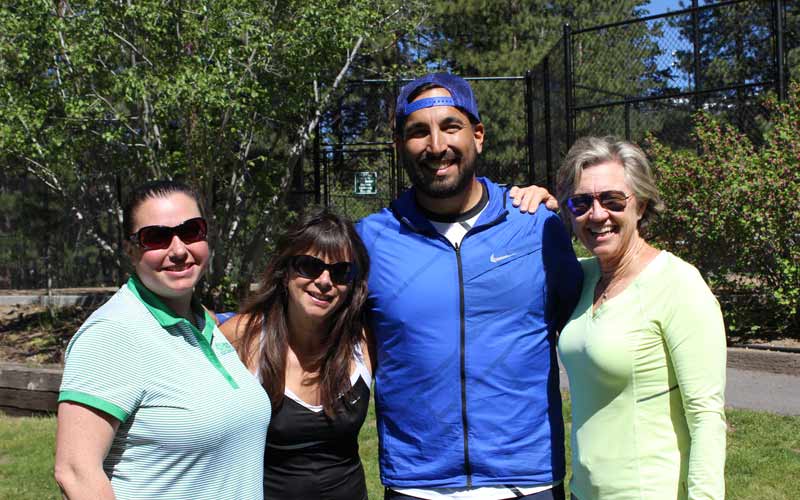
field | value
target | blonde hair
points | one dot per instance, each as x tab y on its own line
589	151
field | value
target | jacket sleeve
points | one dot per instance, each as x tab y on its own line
695	337
564	274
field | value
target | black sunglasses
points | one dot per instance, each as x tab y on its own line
615	201
159	237
341	273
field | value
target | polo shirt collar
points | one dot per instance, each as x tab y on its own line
164	314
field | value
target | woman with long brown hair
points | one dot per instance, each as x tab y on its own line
302	334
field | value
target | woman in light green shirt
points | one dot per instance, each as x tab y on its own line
645	347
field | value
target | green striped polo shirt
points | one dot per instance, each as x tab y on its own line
193	419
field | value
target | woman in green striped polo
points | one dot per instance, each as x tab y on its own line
154	402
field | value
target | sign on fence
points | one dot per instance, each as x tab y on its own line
366	183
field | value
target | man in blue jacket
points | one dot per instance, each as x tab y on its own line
466	296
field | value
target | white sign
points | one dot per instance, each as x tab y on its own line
365	183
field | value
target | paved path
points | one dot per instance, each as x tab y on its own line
757	380
772	392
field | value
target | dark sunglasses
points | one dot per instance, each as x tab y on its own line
159	237
341	273
615	201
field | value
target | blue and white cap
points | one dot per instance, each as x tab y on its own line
461	97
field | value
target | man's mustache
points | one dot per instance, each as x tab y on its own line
428	157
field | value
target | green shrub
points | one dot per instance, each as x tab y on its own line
732	210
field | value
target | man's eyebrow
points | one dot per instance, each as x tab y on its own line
454	119
412	126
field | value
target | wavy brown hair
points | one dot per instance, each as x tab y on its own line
334	237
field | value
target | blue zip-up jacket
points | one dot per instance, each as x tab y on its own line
466	387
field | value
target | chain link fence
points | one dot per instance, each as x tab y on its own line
358	142
650	75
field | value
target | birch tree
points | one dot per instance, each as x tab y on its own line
98	96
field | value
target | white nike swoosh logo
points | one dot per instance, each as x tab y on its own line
494	259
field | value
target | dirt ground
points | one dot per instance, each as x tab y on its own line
34	334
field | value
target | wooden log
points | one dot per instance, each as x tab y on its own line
39	378
29	390
44	401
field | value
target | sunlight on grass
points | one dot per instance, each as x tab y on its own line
26	458
368	448
763	456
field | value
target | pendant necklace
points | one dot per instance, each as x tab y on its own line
606	287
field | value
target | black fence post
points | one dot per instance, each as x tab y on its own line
529	125
627	120
780	77
398	171
325	178
317	161
696	53
338	127
117	271
548	130
568	85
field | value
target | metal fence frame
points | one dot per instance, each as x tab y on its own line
551	109
328	157
555	146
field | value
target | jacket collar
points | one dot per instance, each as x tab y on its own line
405	208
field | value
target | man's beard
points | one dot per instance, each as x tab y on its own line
425	180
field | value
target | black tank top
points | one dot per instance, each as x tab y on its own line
310	456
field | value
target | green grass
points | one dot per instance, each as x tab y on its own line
763	456
368	447
26	458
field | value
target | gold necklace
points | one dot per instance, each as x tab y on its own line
604	294
606	287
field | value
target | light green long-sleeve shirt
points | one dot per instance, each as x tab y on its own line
647	383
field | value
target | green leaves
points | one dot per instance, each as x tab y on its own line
98	96
732	210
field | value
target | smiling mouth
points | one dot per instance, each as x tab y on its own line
602	232
320	298
437	167
178	268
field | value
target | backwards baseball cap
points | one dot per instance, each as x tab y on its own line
461	97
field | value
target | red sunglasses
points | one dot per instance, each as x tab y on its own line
160	237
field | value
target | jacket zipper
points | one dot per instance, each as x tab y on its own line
463	360
463	328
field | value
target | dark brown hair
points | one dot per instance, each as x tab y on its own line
330	235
